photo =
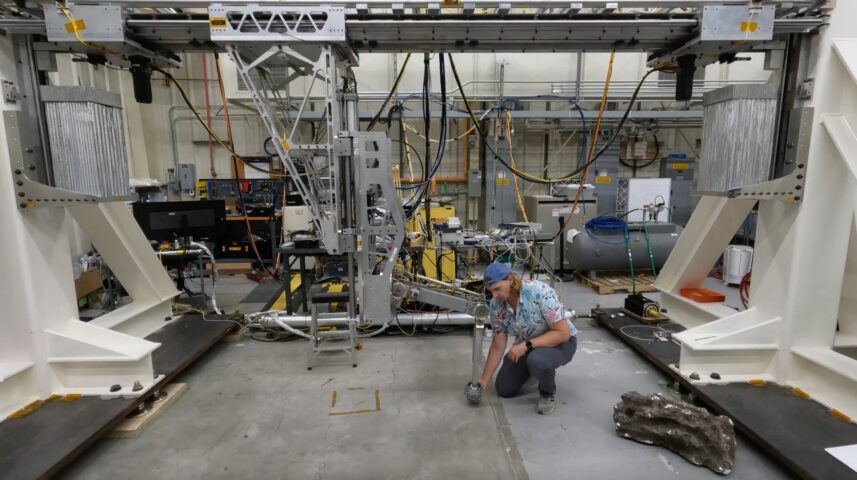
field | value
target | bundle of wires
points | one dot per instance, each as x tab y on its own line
422	187
577	171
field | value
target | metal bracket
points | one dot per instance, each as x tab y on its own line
31	194
788	188
806	89
709	49
102	27
10	91
342	146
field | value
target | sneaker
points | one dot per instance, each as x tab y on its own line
546	404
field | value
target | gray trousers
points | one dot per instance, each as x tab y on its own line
541	363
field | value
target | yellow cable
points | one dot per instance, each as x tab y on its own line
592	147
512	159
392	92
215	136
411	129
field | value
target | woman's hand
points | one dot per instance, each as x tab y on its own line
518	351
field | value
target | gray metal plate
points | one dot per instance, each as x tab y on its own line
102	23
737	22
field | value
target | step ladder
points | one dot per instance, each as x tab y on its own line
334	340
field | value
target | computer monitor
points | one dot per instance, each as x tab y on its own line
167	221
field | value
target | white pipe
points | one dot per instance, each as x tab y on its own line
285	326
213	275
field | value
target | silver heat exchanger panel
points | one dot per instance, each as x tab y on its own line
737	137
87	140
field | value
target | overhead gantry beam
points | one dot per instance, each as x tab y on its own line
372	26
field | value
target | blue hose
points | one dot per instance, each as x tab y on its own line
608	225
614	224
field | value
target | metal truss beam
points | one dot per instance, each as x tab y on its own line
460	33
368	5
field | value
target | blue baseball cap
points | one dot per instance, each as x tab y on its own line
495	272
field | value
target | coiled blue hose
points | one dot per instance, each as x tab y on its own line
606	224
614	224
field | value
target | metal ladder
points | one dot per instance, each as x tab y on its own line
336	340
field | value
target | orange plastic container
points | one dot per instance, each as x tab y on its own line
702	295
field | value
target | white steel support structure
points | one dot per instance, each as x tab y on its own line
45	349
803	304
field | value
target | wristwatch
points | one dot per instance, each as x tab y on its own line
529	345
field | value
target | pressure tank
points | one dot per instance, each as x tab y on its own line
593	250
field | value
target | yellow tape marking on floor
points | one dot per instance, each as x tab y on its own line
294	284
354	412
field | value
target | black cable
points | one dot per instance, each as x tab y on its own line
412	208
577	171
208	129
390	95
413	149
427	121
399	110
653	160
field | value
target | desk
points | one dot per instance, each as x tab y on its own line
236	231
301	254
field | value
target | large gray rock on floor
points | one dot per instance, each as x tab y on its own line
692	432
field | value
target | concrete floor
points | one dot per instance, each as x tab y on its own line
252	410
579	437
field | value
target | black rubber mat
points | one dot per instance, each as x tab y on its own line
266	292
794	430
40	444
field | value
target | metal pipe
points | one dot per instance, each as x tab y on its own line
213	275
446	285
276	320
180	252
478	333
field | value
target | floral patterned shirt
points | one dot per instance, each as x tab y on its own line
538	306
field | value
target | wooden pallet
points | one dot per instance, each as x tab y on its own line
606	283
133	427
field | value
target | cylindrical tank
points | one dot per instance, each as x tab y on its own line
607	251
737	261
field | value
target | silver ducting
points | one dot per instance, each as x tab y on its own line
737	137
87	140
